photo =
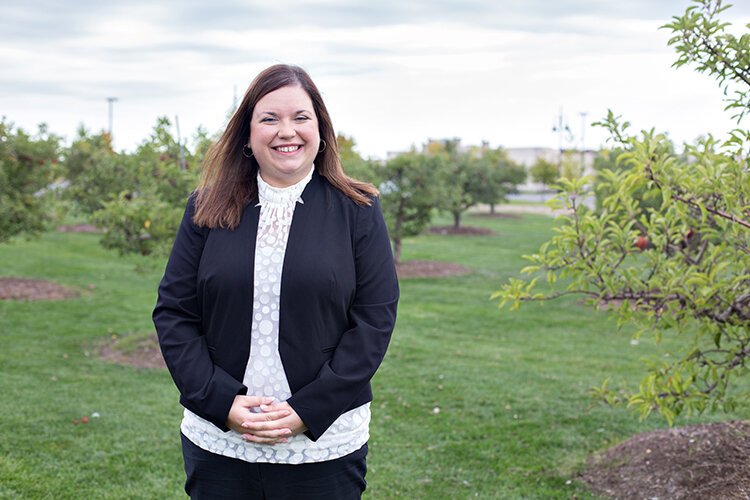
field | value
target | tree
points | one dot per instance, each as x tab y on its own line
141	223
473	175
102	178
467	175
144	216
410	186
680	268
201	142
607	162
137	198
96	173
354	165
346	146
85	151
571	165
503	178
462	172
544	172
27	167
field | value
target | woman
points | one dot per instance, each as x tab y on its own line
277	305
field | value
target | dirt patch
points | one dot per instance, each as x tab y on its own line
697	461
463	230
78	228
429	269
138	350
33	289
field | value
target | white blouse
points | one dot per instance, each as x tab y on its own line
264	374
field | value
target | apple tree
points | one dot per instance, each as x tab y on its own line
497	177
677	268
544	172
410	186
137	198
28	164
354	165
464	172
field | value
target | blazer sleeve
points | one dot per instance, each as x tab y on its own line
372	318
205	389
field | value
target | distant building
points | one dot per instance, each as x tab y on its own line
522	156
529	156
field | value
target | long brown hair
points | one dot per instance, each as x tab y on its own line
229	179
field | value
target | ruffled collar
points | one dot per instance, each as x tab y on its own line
268	194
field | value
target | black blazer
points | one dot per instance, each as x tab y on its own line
339	294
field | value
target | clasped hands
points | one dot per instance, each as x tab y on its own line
274	423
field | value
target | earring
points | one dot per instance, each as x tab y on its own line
246	151
324	146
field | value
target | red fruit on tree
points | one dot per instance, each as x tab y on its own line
641	242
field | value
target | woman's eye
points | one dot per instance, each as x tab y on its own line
267	120
302	118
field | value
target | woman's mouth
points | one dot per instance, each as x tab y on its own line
287	149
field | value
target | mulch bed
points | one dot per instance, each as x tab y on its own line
697	461
78	228
33	289
463	230
145	354
429	269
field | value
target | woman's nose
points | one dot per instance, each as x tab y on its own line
287	130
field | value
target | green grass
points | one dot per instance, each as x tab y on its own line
515	419
131	342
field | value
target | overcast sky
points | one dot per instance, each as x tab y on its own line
393	72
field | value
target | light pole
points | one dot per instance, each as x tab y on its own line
110	102
179	141
583	141
562	128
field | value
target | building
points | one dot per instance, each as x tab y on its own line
529	156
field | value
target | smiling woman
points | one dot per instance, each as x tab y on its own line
277	305
228	179
284	136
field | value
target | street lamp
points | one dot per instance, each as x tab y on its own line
562	128
583	141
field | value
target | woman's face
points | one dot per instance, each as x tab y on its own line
284	135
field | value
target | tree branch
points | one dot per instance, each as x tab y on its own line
714	211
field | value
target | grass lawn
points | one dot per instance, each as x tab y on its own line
471	401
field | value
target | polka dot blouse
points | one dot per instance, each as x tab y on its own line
264	374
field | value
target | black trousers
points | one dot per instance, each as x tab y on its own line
212	476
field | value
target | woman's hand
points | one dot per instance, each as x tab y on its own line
270	426
291	421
